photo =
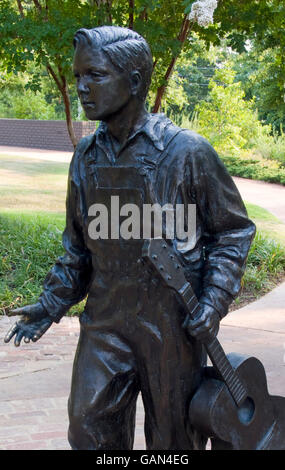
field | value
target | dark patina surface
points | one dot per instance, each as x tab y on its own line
134	336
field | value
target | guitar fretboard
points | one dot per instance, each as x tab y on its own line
215	350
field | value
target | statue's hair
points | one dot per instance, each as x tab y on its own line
126	49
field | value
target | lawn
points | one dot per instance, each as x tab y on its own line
267	223
32	217
28	184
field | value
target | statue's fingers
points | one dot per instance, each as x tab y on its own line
27	339
195	325
13	330
40	331
19	337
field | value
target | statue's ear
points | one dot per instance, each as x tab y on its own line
136	81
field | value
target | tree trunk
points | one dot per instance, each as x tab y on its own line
20	8
182	36
69	123
63	88
131	14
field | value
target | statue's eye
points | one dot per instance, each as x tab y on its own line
96	73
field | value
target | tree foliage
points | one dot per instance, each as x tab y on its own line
41	32
263	23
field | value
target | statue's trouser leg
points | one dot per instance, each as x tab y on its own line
109	372
170	368
104	390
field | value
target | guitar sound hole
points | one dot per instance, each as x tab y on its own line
246	411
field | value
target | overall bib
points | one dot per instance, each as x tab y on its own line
131	338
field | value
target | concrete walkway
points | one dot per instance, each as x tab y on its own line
35	378
267	195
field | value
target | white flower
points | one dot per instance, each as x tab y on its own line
203	11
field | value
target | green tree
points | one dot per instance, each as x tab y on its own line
17	100
262	22
258	70
226	118
41	31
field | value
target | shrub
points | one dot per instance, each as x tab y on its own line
265	264
254	168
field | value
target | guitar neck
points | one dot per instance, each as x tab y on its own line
215	350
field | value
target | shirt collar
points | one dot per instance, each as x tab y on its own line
153	128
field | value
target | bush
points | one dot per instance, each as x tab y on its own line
256	169
271	147
226	119
29	245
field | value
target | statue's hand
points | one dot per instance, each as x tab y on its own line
34	323
206	325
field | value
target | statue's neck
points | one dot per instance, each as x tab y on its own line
127	121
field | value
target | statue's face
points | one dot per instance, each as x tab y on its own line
103	90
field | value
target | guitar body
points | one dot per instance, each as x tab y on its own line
259	424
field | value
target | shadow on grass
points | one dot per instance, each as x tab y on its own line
32	167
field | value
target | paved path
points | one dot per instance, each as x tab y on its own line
267	195
35	378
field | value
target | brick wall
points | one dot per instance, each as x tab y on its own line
51	135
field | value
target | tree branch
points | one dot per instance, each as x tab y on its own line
143	15
20	8
38	5
63	88
55	77
109	10
46	14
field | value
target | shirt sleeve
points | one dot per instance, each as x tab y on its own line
68	281
226	229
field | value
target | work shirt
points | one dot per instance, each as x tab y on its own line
178	167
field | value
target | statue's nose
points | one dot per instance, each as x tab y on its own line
82	85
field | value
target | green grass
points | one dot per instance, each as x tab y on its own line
31	184
259	213
266	223
29	245
32	166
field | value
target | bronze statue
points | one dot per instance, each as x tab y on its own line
134	334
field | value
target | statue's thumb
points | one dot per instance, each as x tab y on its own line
20	311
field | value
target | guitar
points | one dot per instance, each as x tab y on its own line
232	406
